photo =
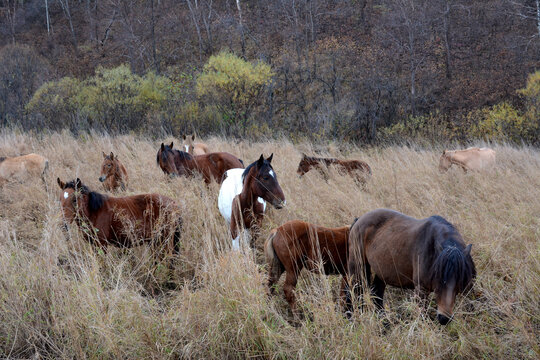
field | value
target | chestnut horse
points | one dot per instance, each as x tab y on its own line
20	167
428	255
211	166
468	159
113	173
242	198
192	147
121	221
296	245
359	170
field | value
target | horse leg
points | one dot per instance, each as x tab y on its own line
377	292
288	288
346	299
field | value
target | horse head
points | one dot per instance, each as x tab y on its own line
452	273
304	166
165	159
444	162
265	184
187	146
109	166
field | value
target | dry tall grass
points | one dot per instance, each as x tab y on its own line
60	298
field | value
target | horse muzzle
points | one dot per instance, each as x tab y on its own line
279	204
102	178
443	319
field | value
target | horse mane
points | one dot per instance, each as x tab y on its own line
450	263
95	199
250	166
326	161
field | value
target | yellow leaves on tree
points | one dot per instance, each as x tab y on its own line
234	85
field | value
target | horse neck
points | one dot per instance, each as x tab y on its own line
247	196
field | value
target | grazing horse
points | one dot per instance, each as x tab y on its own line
20	167
242	198
121	221
192	147
211	166
113	173
468	159
297	244
428	255
359	170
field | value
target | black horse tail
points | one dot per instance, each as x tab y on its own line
177	235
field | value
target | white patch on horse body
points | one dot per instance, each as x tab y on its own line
260	200
66	195
232	185
272	173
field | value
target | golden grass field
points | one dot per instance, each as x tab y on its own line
62	298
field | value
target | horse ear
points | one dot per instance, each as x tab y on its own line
78	183
104	155
171	146
60	183
193	137
270	157
444	152
304	156
183	136
467	250
162	147
112	156
260	162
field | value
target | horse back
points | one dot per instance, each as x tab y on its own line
299	244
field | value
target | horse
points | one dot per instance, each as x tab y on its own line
20	167
359	170
243	194
113	173
469	159
192	147
211	166
296	245
428	255
121	221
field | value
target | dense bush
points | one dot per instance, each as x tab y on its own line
236	88
114	100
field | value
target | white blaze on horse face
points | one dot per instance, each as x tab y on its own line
66	195
187	148
272	173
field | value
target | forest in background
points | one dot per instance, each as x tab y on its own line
354	70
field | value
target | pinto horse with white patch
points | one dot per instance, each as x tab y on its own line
243	194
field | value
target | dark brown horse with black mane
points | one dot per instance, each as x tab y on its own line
296	245
211	166
121	221
113	173
245	210
359	170
428	255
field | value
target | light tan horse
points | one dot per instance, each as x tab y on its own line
22	167
469	159
192	147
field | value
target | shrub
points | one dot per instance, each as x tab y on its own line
57	104
235	87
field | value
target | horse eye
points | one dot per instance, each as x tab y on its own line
266	178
